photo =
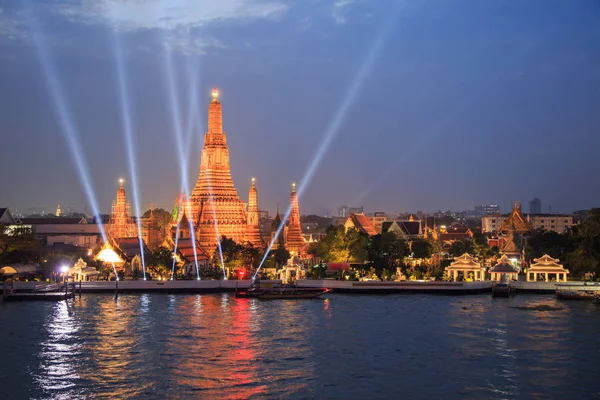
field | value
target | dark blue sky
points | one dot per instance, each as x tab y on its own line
461	103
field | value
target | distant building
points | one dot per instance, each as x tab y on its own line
486	209
61	230
377	220
263	214
535	206
345	211
517	222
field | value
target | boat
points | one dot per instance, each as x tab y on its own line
502	288
577	294
280	292
291	293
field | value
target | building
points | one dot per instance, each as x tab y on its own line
407	229
214	208
121	224
6	217
521	224
545	267
63	230
486	209
345	211
467	266
294	242
360	223
252	225
377	220
535	206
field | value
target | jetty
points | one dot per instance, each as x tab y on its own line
38	292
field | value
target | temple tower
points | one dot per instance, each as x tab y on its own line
295	242
219	210
121	225
252	227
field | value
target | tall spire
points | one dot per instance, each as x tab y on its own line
295	242
121	223
252	228
214	206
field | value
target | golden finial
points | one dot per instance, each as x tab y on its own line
121	181
293	186
253	181
215	93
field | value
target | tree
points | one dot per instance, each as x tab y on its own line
386	250
341	245
163	220
548	242
160	262
281	255
18	245
460	247
421	248
585	254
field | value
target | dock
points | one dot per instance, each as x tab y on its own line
38	292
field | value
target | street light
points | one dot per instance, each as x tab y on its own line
63	270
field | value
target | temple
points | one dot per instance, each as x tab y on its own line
214	208
294	239
252	228
121	225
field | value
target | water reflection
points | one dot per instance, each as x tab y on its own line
216	346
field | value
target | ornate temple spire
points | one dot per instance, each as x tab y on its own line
295	242
121	226
214	206
252	228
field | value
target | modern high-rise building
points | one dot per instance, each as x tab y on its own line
535	206
345	211
487	209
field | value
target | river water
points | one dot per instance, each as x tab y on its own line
338	347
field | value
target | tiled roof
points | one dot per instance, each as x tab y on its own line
362	223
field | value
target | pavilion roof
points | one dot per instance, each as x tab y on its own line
546	264
464	262
185	248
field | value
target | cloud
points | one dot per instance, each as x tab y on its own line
9	26
186	44
339	8
168	14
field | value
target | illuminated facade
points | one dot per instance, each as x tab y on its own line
294	240
121	225
252	228
214	208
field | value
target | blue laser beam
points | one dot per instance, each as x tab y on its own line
128	129
66	121
339	117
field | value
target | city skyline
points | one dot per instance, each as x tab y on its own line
500	109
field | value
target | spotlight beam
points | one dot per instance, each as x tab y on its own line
66	122
128	129
339	117
176	120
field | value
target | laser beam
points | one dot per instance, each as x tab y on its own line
128	129
66	121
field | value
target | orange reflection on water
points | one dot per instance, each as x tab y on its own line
218	354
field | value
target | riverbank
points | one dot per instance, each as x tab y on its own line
350	287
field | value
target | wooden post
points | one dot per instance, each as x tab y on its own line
80	288
116	288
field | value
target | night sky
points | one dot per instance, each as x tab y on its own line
413	105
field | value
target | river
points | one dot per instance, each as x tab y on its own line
338	347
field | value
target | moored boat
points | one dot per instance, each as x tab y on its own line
291	293
576	294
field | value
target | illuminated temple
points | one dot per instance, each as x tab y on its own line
214	208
